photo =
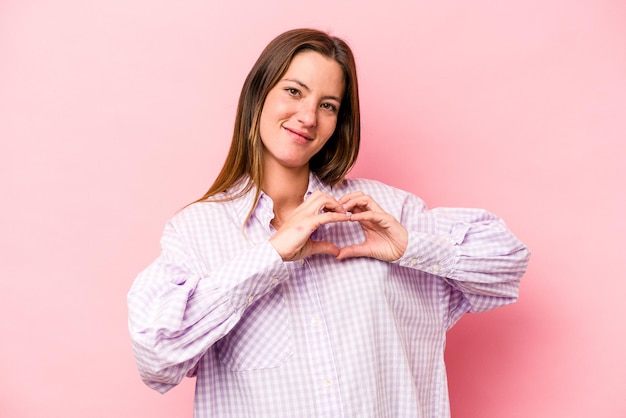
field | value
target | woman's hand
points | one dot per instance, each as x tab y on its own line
385	238
292	240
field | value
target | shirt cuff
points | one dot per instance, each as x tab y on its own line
432	254
261	270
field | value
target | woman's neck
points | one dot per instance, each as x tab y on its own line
286	187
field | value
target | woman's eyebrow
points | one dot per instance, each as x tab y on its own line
305	87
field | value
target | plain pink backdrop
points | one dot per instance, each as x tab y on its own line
114	114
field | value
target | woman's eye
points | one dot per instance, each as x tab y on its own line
292	91
329	106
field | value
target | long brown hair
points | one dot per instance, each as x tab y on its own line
334	160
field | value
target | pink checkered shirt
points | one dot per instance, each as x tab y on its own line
316	337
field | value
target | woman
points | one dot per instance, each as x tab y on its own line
289	290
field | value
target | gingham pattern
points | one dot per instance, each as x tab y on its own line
316	337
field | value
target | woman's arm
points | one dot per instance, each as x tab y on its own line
471	249
178	308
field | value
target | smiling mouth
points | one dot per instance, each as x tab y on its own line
299	134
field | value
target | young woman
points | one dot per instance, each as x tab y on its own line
289	290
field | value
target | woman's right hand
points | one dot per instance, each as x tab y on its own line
293	241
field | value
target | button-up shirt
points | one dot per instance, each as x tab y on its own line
316	337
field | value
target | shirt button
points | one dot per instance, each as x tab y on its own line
413	261
250	299
315	321
301	262
327	382
436	268
275	280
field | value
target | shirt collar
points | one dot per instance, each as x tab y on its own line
243	204
316	184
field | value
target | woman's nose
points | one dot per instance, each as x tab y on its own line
307	113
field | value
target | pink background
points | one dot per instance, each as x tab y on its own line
114	114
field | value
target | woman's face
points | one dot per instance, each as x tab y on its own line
300	112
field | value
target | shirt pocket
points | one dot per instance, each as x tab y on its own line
261	339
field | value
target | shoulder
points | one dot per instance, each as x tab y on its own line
371	187
205	215
232	205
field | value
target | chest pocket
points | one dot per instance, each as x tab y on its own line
261	339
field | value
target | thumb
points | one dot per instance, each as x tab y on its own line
359	250
323	247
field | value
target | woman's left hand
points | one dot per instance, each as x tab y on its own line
385	238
